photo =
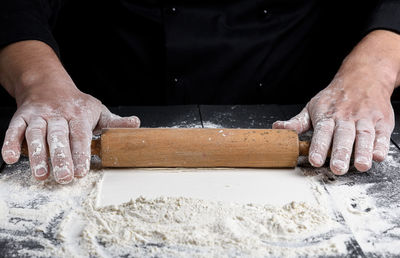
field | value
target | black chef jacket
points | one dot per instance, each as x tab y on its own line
139	52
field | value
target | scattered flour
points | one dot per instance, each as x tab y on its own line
63	220
206	124
31	210
372	210
37	147
45	219
3	212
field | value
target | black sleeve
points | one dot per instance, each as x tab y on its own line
386	16
28	20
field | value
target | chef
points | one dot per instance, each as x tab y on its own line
60	60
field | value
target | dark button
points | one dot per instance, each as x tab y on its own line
170	10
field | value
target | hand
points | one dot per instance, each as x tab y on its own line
355	109
56	114
53	115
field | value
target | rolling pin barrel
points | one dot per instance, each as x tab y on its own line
163	147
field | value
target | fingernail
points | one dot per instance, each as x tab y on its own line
378	153
81	170
10	156
39	172
340	166
9	153
62	175
316	159
362	160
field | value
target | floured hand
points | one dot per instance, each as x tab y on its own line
58	122
56	118
353	114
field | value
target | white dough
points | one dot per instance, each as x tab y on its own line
262	186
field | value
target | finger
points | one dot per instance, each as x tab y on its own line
81	137
36	140
343	140
365	135
60	153
382	140
11	150
300	123
110	120
321	141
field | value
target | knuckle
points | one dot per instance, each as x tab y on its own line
56	145
291	124
11	132
382	140
344	126
363	152
383	131
319	145
38	122
341	152
384	128
17	122
81	136
325	125
33	131
58	153
365	131
77	126
57	134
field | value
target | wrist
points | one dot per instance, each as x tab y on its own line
39	86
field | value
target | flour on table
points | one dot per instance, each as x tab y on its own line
31	211
206	124
63	220
178	226
45	219
3	212
375	226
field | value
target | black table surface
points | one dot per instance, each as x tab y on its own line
240	116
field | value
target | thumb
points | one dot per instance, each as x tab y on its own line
300	123
110	120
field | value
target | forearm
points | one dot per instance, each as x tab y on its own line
25	63
381	49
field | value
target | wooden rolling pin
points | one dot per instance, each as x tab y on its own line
193	147
163	147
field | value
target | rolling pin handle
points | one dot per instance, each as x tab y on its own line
304	147
96	146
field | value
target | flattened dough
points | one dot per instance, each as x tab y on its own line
262	186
